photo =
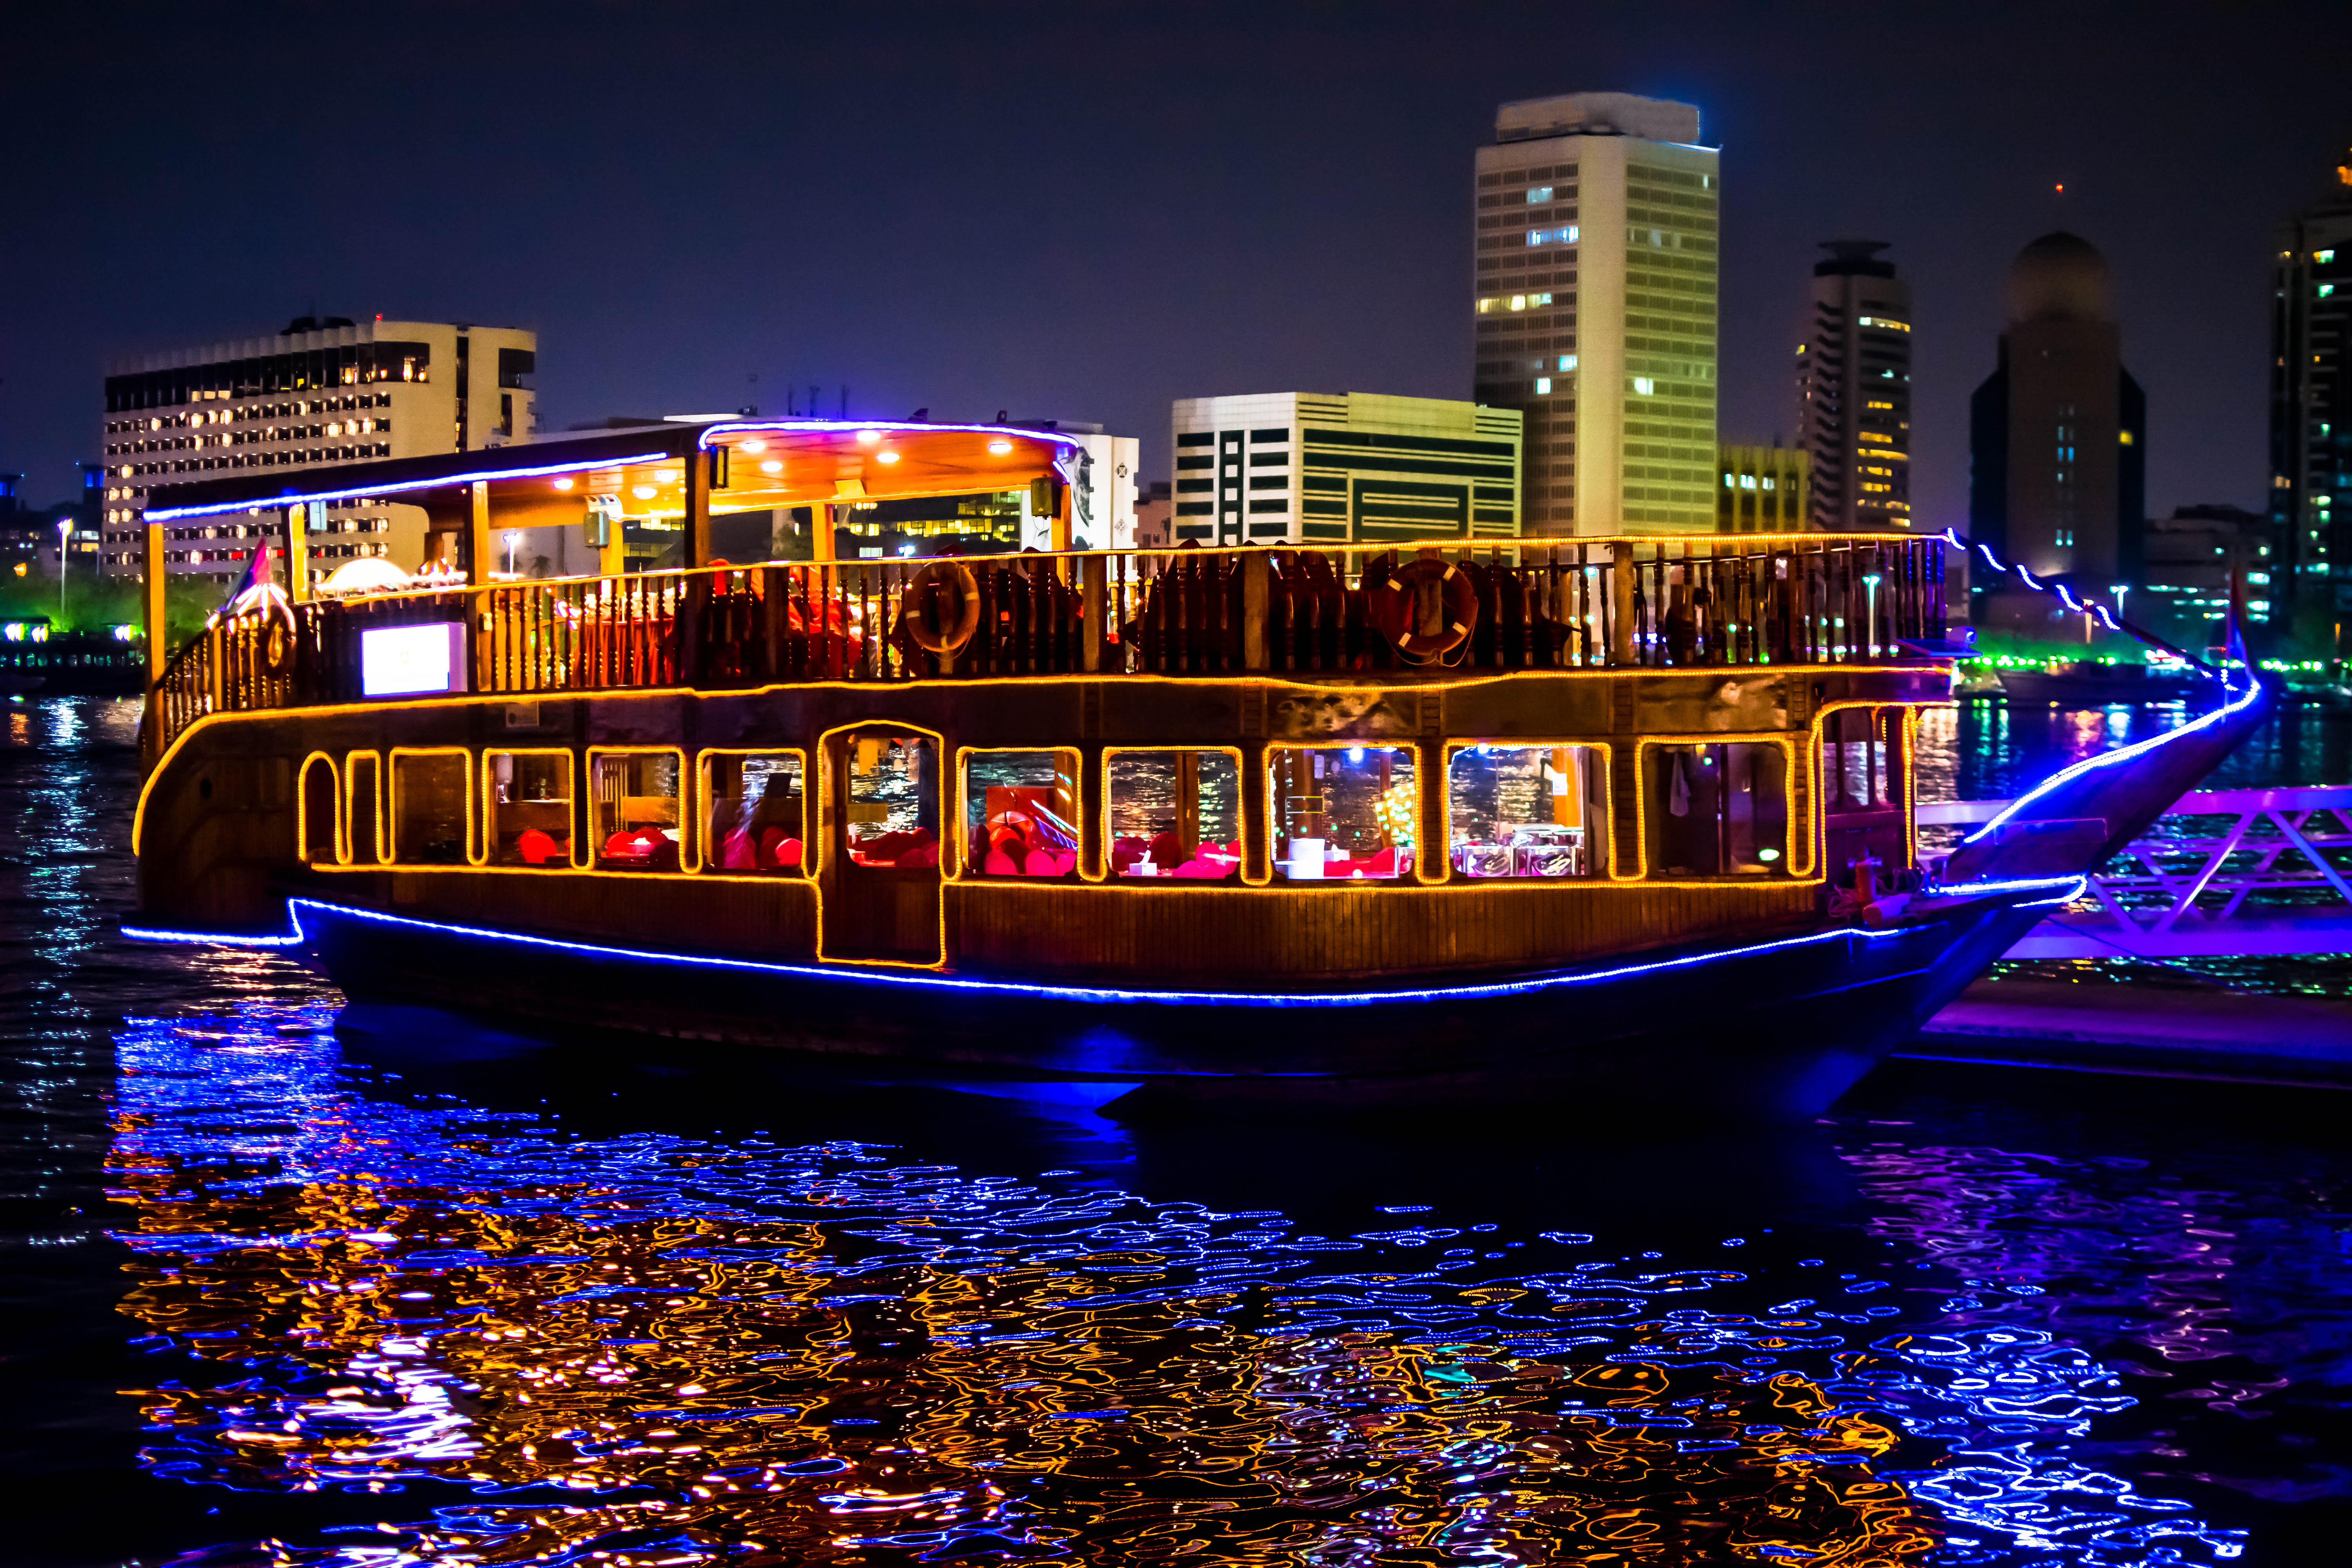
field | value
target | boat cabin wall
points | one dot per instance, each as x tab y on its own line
741	815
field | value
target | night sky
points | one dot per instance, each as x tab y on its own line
1087	211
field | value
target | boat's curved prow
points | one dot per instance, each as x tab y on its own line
2078	818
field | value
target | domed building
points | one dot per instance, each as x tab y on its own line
2058	435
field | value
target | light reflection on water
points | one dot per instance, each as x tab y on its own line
569	1307
739	1346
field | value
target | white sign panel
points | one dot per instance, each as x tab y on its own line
413	661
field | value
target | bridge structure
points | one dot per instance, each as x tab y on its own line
2226	873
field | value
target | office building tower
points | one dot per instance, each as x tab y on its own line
317	392
1595	301
1762	490
2311	407
1348	467
1854	390
2058	435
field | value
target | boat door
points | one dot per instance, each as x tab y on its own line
878	882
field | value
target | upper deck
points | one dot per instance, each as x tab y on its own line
1347	612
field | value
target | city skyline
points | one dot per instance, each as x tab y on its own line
1140	237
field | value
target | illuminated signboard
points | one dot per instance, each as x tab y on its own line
413	661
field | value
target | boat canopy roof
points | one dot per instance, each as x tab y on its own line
766	463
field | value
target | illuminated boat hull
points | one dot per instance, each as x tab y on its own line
1773	1029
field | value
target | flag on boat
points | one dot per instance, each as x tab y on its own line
255	589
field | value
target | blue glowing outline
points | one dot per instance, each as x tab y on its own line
2077	885
884	425
167	513
2107	758
1058	992
1951	536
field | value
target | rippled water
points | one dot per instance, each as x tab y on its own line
280	1295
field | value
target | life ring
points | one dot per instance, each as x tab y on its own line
1426	608
918	606
277	645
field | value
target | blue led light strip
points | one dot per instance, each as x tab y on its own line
999	987
2122	754
164	514
2080	607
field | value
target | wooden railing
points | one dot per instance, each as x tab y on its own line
1573	603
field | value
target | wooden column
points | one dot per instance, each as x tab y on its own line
478	554
298	551
1067	499
1092	597
152	585
1257	847
1093	815
820	532
612	556
698	474
1432	858
1621	606
1257	590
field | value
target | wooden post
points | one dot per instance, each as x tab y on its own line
1092	595
478	536
298	551
1432	858
699	467
479	556
1257	845
612	556
1062	520
1257	590
151	585
820	532
1621	606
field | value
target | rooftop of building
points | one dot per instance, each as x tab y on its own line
1598	114
1853	258
2059	277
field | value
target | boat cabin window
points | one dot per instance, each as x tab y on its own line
634	821
1021	813
755	812
1341	813
894	791
1717	811
526	808
1864	787
1527	811
1176	813
321	810
431	822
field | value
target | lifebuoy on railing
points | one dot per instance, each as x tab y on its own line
1426	608
940	606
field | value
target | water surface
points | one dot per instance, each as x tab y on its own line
282	1293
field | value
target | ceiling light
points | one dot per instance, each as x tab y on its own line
755	446
644	492
868	437
999	447
668	476
772	467
565	483
885	457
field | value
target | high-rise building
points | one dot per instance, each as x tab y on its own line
2311	405
317	392
1347	467
1595	301
2058	434
1764	489
1854	390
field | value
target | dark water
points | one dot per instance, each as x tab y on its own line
274	1296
